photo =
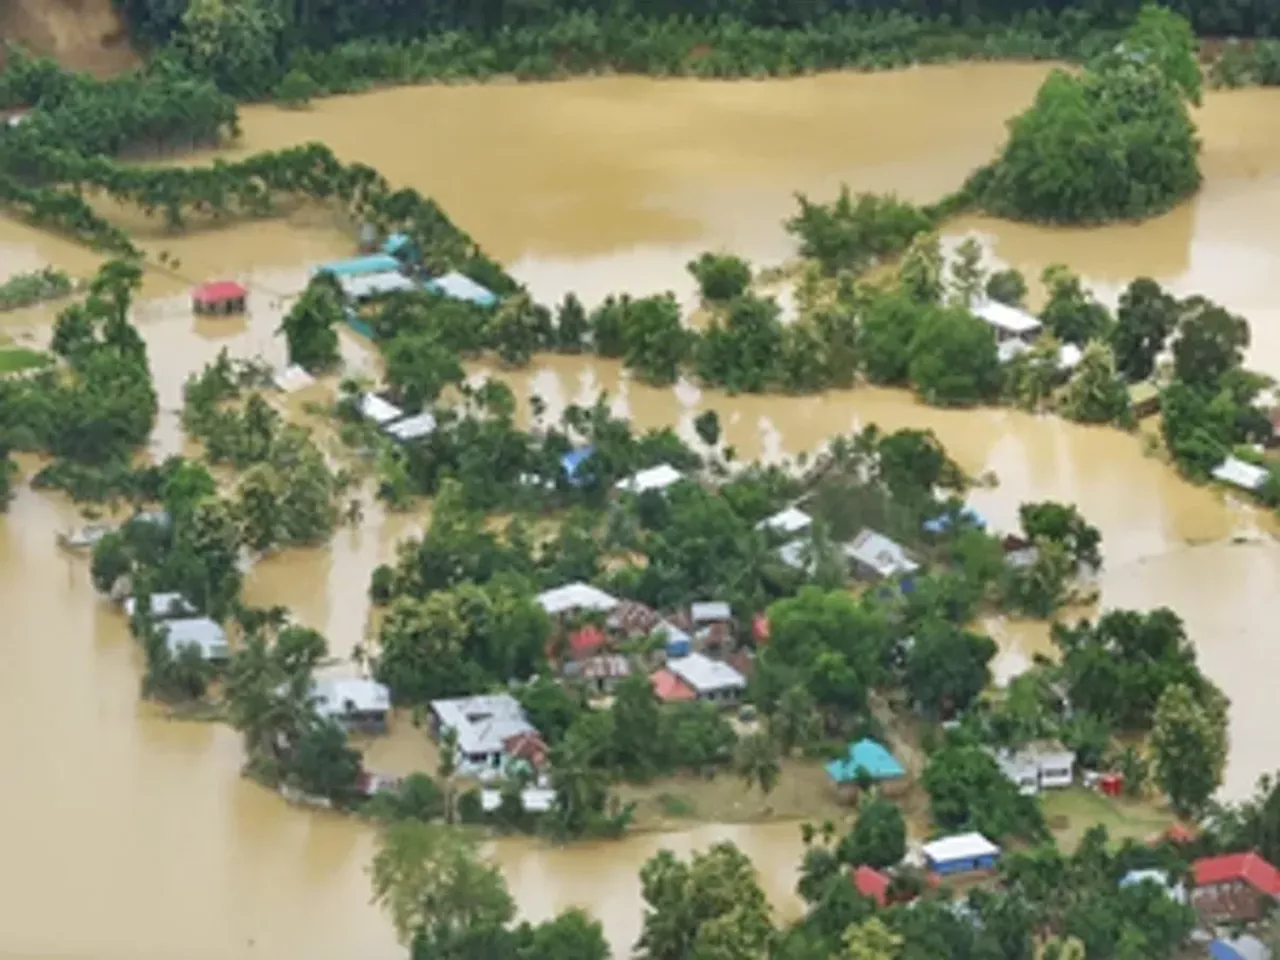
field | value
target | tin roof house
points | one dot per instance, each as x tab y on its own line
657	478
961	853
576	598
875	557
869	757
203	634
491	730
1037	766
711	680
1236	886
163	606
357	703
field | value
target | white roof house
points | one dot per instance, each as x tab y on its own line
877	552
412	428
706	676
710	612
962	846
655	478
374	408
532	799
1069	354
1007	320
1238	473
199	632
576	596
790	520
368	285
338	697
163	606
483	724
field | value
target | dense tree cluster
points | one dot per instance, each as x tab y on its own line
1114	142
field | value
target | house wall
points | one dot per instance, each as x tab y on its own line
1234	899
1057	770
968	865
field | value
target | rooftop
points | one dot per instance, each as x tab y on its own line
356	266
1247	867
460	287
338	696
654	478
293	378
576	596
944	521
381	412
163	606
1244	947
866	755
484	723
790	520
366	285
199	632
1238	473
961	846
710	611
886	557
412	428
669	688
585	641
1006	318
219	291
871	883
706	675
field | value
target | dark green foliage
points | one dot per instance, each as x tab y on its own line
968	791
953	359
879	836
855	234
720	276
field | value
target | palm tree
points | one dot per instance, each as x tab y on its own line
446	767
757	762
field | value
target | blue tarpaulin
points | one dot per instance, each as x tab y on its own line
571	463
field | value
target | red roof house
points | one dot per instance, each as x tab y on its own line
527	746
586	641
1237	886
872	883
671	689
219	296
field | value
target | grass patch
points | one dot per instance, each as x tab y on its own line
1073	811
16	359
676	806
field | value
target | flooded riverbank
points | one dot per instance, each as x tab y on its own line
137	838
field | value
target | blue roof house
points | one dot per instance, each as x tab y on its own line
866	755
401	246
359	266
571	464
961	853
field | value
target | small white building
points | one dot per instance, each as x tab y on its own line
874	556
488	729
960	853
355	702
1037	766
712	680
164	606
532	799
1009	323
655	478
712	611
1239	473
373	407
575	597
790	521
204	634
411	428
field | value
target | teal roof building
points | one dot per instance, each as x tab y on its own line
866	755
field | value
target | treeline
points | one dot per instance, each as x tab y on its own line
322	24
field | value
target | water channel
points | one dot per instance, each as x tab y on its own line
130	837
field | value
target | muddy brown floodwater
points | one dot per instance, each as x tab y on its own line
129	837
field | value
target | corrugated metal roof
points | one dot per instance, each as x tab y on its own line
1006	318
483	724
885	556
364	286
199	632
576	596
413	428
654	478
710	611
962	846
337	696
378	410
355	266
163	605
1238	473
790	520
706	675
461	287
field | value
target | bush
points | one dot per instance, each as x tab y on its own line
720	277
296	89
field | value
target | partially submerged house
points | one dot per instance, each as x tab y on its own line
1236	886
865	758
358	703
874	557
712	681
1037	766
960	853
1240	473
492	732
205	635
163	606
219	297
361	288
657	478
1010	324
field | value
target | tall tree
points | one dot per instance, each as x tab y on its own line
1189	746
311	325
757	761
1146	317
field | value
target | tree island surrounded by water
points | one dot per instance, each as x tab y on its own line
846	590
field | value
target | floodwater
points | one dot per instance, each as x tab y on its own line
130	836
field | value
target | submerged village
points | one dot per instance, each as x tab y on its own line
588	630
